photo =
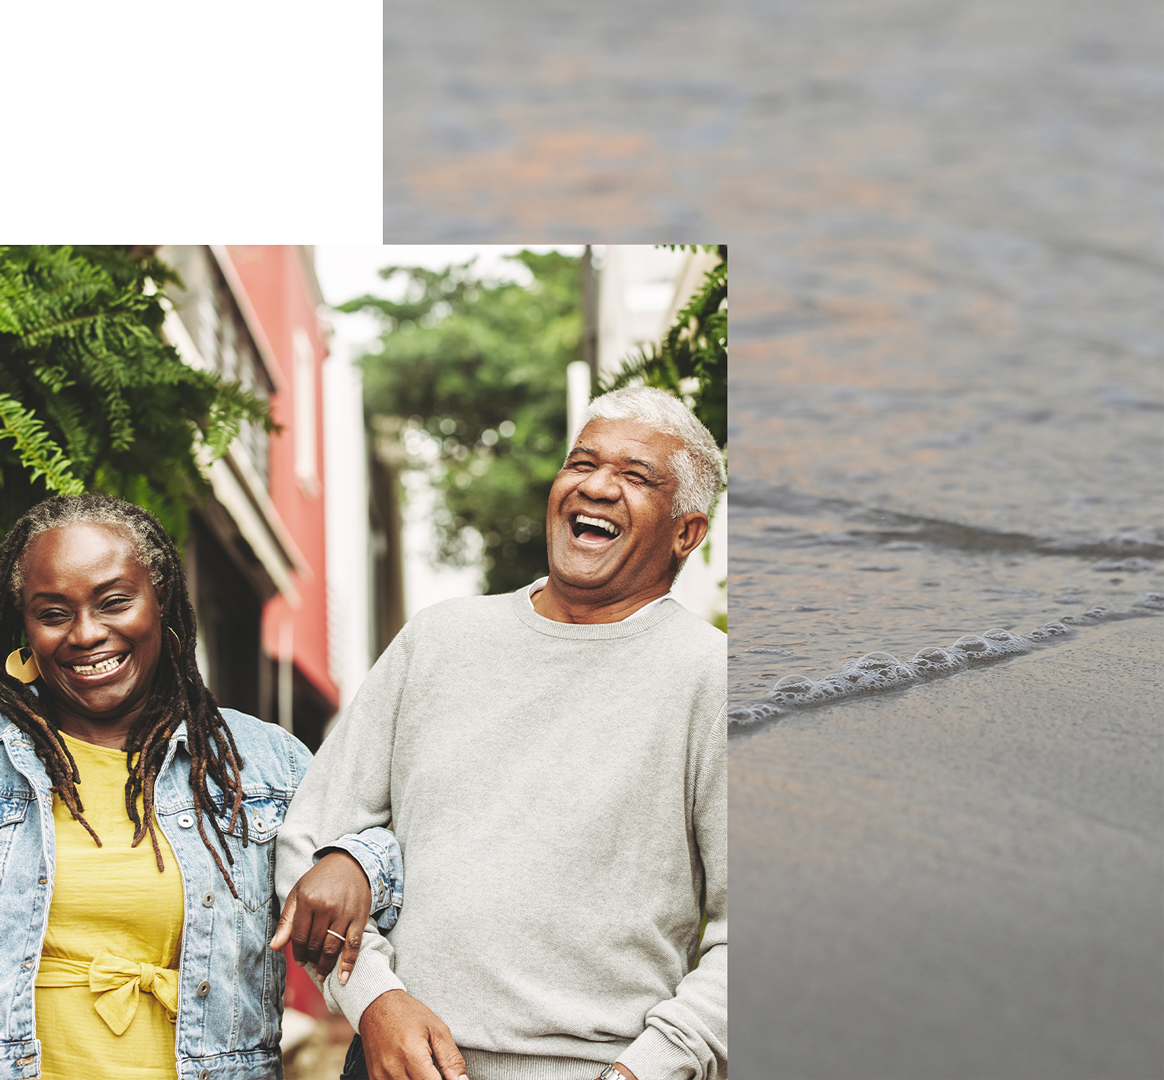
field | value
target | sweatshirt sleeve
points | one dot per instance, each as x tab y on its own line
347	790
686	1036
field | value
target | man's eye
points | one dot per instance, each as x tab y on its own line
636	478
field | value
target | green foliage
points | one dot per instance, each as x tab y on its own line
39	454
91	398
692	358
480	369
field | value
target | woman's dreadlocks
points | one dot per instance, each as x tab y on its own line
178	696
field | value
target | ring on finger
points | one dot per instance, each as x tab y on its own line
340	936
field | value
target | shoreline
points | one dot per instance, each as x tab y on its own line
963	878
881	672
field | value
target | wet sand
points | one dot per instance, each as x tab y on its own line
962	879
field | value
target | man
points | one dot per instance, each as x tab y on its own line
553	764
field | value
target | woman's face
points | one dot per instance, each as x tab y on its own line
94	623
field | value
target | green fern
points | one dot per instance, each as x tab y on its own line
116	409
694	350
39	454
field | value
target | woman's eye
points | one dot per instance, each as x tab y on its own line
51	616
115	603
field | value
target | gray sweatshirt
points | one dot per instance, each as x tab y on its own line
560	795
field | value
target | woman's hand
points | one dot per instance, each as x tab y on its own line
325	915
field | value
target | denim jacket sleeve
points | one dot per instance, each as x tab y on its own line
378	854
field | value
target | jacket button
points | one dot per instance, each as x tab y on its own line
208	899
260	825
204	1075
186	820
203	988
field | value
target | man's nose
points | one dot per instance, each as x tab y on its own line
600	485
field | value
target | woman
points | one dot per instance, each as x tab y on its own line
128	959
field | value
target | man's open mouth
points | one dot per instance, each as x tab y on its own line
584	525
101	667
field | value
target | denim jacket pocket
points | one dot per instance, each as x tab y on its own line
13	810
253	870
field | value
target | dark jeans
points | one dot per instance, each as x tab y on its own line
355	1067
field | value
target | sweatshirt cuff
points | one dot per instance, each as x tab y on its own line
371	977
378	854
652	1056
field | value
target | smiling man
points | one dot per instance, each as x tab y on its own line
553	764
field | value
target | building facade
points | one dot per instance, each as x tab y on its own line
256	556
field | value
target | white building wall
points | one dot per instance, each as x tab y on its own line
347	533
640	289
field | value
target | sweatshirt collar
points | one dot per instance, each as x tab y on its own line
540	584
648	616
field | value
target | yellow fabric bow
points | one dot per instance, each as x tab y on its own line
119	982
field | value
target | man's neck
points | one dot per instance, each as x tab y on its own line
565	604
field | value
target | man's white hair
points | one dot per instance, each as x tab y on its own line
698	467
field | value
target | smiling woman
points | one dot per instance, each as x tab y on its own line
93	621
107	735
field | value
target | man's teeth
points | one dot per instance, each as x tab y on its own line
98	669
606	526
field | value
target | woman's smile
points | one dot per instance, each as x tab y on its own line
93	621
93	671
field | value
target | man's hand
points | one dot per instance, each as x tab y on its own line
334	895
403	1038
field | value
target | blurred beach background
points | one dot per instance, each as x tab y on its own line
946	404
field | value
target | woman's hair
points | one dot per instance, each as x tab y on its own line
178	696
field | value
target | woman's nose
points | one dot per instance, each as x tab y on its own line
86	630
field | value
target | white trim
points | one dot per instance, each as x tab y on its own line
247	310
238	487
305	408
262	500
229	491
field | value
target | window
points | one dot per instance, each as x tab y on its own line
303	356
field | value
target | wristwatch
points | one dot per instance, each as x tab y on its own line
610	1073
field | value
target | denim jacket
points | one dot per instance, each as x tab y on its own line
230	998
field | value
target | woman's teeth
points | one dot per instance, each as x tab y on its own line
98	669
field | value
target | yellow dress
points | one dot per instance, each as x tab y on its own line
114	934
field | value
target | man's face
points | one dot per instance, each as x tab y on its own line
608	522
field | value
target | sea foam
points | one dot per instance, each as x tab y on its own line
879	671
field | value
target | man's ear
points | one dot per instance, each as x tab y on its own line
690	529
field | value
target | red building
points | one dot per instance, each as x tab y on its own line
256	555
279	284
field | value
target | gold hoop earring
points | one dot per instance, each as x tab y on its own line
177	641
18	667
